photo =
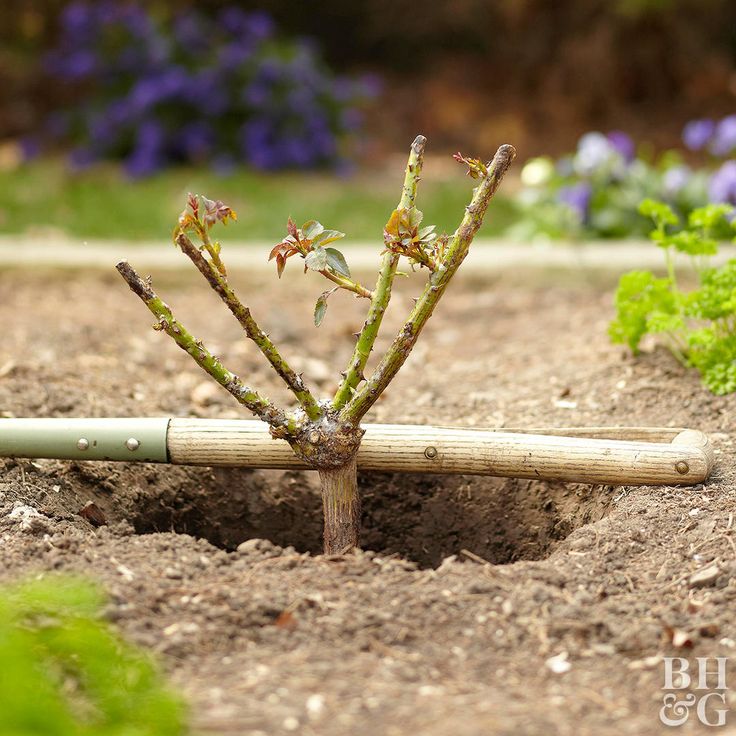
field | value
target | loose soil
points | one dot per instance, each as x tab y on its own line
466	587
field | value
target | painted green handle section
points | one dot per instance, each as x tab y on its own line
138	440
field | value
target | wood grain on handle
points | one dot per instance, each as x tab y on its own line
619	456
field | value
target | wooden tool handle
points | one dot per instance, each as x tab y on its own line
621	456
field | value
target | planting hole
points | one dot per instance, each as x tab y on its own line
420	517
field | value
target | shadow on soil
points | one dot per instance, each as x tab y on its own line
420	517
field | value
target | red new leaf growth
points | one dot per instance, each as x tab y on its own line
191	223
476	168
403	236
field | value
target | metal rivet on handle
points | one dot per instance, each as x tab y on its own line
430	452
83	443
132	444
682	467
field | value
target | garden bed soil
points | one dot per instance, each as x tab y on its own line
471	596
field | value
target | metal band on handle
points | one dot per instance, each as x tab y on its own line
136	440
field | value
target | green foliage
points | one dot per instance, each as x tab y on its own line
698	326
643	303
64	672
309	242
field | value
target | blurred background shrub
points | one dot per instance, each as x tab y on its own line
66	673
240	87
185	87
463	70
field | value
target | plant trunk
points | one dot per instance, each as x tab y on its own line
341	506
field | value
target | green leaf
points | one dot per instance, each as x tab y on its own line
316	259
663	322
320	308
692	243
710	216
661	213
311	229
639	295
328	236
336	261
66	671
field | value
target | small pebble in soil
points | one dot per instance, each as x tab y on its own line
93	514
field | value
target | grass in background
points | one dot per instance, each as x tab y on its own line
102	203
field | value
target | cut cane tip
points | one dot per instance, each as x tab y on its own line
506	151
418	145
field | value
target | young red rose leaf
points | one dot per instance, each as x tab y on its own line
291	227
336	261
476	168
278	248
280	263
193	202
316	259
217	211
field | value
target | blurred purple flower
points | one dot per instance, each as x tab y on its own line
149	91
623	143
675	179
151	136
81	158
371	85
77	19
260	25
234	55
256	94
196	140
213	76
57	124
148	155
577	198
74	66
30	147
299	99
697	133
233	20
189	30
724	138
594	153
141	164
352	119
722	186
223	163
296	153
343	89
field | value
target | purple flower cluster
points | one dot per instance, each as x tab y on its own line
722	186
577	197
716	137
719	139
193	88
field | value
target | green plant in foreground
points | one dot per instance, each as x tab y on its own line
698	326
64	672
326	434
